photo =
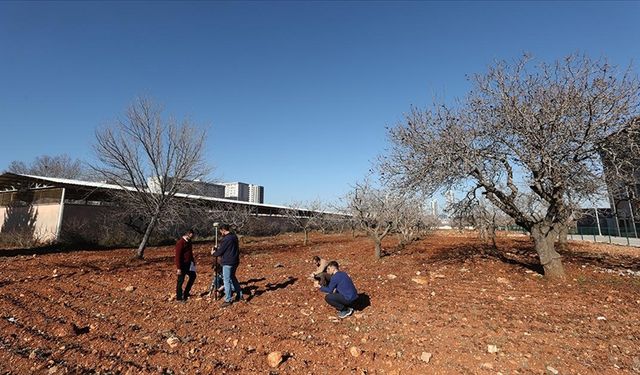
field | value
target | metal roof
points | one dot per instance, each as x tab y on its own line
16	182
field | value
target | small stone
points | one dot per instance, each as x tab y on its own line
391	276
33	354
502	280
278	265
53	370
274	359
552	371
173	341
487	366
130	288
493	349
420	280
355	351
61	332
425	357
601	318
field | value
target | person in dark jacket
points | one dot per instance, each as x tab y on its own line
185	265
341	293
228	252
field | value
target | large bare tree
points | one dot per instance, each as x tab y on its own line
528	137
142	145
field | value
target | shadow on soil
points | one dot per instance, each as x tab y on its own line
362	302
521	253
254	291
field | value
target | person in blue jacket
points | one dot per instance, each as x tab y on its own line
341	293
229	253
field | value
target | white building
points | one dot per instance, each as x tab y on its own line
201	188
237	191
434	208
256	193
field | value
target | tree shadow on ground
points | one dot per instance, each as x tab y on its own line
270	287
521	253
468	252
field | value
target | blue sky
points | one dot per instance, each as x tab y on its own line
296	95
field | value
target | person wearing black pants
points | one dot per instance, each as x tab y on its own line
341	293
185	265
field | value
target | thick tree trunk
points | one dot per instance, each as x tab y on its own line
145	238
378	251
563	233
551	261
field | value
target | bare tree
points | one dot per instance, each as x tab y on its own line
374	210
482	215
528	138
61	166
238	216
144	145
411	219
304	216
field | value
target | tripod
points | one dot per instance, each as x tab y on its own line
216	275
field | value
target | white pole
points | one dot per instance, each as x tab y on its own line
59	229
597	221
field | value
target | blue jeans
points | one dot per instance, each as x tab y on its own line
230	282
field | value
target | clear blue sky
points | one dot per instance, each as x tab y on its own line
297	94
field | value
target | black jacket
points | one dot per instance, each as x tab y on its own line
228	250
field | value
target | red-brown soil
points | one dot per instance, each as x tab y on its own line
70	312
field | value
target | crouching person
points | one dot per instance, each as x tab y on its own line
341	293
320	275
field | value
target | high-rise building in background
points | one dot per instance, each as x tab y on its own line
239	191
450	199
206	189
434	208
256	193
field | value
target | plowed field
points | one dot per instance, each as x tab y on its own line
444	305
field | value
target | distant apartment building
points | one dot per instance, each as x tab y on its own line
238	191
256	193
202	188
434	208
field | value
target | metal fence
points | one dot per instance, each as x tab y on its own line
592	234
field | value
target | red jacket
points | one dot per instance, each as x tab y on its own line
184	254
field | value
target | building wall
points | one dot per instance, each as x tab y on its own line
206	189
33	213
39	220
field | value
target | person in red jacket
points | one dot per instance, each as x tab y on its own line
185	265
